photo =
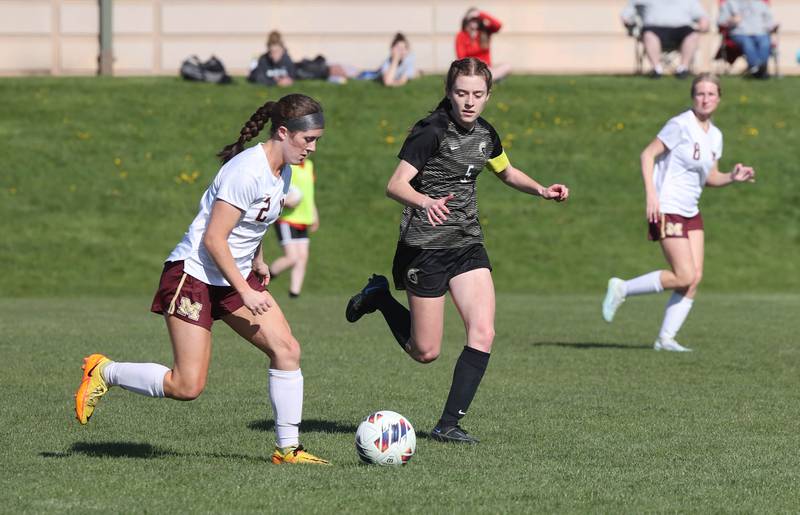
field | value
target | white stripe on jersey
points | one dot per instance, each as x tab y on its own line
247	183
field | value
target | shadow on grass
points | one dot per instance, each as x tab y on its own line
590	345
141	451
424	435
306	426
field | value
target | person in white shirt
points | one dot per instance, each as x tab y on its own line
676	165
217	272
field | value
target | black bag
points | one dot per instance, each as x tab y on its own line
215	71
315	68
192	69
210	71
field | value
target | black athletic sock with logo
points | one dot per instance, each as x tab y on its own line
467	377
397	316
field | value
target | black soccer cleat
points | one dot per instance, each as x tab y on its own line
452	434
363	302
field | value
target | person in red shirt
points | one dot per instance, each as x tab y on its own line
473	40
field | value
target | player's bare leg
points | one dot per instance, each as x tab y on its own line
697	243
681	278
427	327
298	274
295	259
270	333
191	350
474	297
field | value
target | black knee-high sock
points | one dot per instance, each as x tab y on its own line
397	316
467	377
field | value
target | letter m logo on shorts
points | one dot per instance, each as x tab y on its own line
189	309
674	229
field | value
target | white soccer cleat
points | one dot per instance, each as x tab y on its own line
669	344
615	296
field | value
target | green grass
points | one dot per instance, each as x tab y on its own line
575	415
100	178
74	222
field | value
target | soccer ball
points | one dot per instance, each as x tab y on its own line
385	438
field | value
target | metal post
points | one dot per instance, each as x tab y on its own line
106	58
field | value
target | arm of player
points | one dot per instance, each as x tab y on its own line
315	224
521	181
740	173
223	219
399	189
259	266
648	160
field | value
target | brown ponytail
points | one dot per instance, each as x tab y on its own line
288	107
250	130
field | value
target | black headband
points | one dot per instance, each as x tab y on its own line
306	123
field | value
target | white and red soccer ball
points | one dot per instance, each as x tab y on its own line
385	438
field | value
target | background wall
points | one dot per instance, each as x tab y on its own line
60	37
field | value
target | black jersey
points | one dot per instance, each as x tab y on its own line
448	159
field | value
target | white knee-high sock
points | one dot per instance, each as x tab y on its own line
286	396
647	283
675	314
142	378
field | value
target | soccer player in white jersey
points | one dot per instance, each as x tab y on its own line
217	272
440	247
676	165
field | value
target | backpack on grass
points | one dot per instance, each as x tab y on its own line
210	71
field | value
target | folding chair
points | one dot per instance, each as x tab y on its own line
670	57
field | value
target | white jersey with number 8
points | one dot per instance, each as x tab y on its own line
681	172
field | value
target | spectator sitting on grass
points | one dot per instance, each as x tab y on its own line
400	66
275	68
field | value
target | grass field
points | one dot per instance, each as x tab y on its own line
100	178
103	176
575	415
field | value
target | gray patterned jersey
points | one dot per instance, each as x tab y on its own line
448	159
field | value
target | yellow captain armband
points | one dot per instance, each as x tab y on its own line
499	163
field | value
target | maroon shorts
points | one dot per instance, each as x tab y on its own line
674	226
190	299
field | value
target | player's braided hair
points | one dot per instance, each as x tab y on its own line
290	106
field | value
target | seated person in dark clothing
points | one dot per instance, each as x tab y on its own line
668	25
275	68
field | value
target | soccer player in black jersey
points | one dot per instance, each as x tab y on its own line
441	243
